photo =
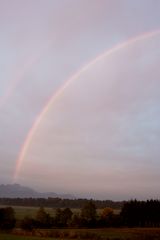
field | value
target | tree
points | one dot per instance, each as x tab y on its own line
63	217
107	212
66	216
76	221
89	214
28	224
43	219
57	219
106	217
7	218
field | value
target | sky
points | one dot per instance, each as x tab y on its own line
79	97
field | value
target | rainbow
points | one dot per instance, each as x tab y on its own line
58	93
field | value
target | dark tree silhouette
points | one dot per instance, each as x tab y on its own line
43	219
7	218
28	224
89	214
141	213
63	217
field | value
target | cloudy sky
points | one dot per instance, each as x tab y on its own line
79	96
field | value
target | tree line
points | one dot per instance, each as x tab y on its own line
133	214
141	213
58	202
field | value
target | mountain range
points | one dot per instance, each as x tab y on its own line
18	191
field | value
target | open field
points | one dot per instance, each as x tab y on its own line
95	234
21	211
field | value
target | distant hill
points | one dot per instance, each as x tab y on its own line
18	191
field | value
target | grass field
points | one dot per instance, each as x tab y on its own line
88	234
21	212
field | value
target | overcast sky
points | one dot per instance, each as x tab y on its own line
100	138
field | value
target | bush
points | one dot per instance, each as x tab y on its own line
28	224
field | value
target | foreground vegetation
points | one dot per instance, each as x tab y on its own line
95	234
15	237
138	220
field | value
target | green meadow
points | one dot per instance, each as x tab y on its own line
21	212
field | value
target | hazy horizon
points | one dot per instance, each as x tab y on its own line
83	195
79	97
